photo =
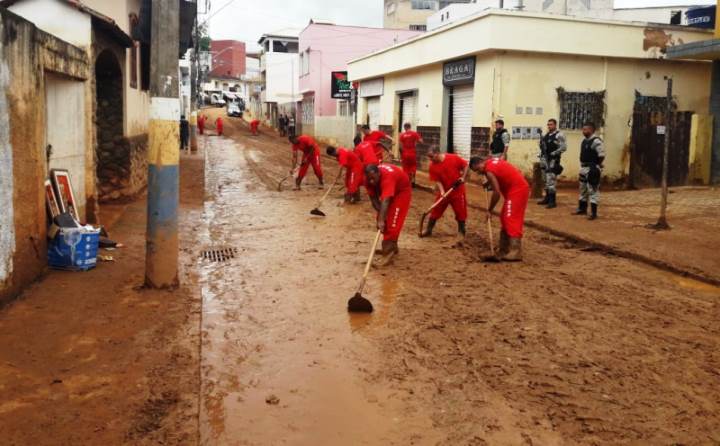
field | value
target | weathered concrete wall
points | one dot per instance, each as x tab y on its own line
26	53
73	27
701	132
335	130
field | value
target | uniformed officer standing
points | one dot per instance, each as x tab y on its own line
500	141
592	155
552	146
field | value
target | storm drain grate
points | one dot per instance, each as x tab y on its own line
219	254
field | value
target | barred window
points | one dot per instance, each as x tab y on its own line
418	27
576	108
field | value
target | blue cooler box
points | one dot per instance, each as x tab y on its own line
74	249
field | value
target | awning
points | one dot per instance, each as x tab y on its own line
702	50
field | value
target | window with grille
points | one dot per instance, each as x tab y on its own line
576	108
344	108
425	4
418	27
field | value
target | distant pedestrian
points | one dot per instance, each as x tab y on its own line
184	133
408	151
282	125
219	126
500	141
592	156
506	181
291	125
552	146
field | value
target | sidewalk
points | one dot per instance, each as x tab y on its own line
691	247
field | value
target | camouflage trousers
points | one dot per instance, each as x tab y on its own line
550	176
588	192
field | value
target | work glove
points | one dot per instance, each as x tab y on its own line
457	183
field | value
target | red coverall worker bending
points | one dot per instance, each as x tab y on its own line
310	157
376	137
390	192
507	180
408	151
219	126
365	151
254	126
448	171
354	172
201	123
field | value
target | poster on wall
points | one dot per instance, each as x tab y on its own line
64	192
340	86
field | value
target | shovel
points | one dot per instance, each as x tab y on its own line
492	258
280	184
316	210
426	213
357	303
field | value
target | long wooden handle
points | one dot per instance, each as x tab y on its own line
330	189
369	262
444	196
489	224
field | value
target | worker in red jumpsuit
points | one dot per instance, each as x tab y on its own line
310	157
506	180
448	170
408	151
354	172
390	192
201	123
365	151
254	126
219	126
379	139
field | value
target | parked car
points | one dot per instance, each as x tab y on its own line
217	100
233	109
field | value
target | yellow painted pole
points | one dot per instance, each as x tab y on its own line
717	22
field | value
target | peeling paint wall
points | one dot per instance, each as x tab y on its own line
27	54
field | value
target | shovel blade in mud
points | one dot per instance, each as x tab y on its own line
317	212
358	304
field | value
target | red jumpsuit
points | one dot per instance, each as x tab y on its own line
219	126
375	137
254	126
408	142
446	172
354	174
394	184
365	151
201	124
515	190
311	156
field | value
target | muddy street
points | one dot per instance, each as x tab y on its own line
569	347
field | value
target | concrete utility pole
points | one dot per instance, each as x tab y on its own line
662	221
161	269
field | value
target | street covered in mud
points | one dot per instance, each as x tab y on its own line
571	346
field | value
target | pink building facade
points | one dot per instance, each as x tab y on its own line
324	49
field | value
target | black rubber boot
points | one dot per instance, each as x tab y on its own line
582	208
461	228
552	204
593	211
297	183
429	228
545	199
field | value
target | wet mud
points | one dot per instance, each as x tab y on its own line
569	347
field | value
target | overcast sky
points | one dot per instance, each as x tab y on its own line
247	20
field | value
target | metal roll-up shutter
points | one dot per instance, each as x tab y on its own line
373	107
409	110
462	119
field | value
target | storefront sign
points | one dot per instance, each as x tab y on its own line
373	87
340	86
459	72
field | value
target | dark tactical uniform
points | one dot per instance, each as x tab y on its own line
500	140
592	155
552	146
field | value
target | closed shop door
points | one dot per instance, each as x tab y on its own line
373	107
409	110
462	111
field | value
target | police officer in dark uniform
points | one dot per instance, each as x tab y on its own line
592	155
500	141
552	146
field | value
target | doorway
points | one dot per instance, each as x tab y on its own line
113	162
